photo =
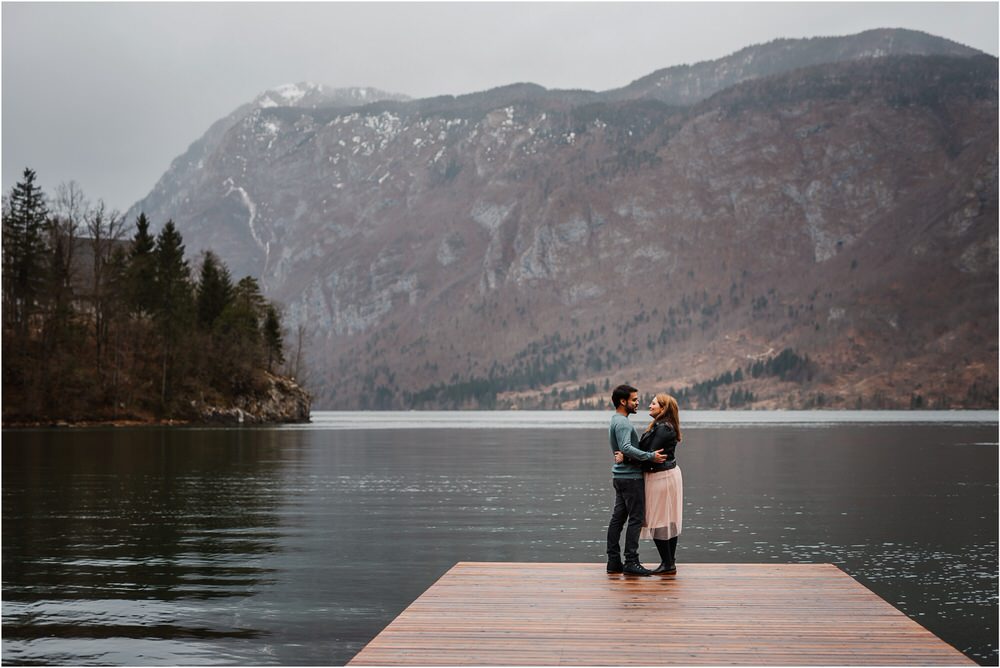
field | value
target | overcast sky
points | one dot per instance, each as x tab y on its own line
107	94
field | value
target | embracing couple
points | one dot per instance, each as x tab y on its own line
649	494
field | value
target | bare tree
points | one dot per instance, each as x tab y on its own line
295	362
70	205
70	209
106	229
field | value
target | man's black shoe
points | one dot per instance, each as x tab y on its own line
636	569
614	566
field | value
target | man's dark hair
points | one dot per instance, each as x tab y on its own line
620	394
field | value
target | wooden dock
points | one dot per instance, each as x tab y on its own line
545	614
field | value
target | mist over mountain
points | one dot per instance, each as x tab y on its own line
804	223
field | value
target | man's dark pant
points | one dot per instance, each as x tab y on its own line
630	503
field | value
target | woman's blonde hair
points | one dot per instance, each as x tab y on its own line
670	413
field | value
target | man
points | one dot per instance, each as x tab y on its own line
630	490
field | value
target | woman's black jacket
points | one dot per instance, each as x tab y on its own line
661	437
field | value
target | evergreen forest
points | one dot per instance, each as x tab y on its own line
105	321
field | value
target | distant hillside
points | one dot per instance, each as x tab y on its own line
835	198
688	84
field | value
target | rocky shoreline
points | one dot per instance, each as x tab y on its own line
282	402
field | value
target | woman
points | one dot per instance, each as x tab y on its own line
664	488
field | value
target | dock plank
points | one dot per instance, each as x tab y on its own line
484	613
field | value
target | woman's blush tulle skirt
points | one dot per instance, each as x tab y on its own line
664	504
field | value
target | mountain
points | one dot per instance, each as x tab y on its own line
686	85
788	236
190	175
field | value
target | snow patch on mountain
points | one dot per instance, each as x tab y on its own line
252	210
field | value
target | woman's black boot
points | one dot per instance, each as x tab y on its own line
666	566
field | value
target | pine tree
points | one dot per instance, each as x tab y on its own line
172	276
173	308
272	337
215	290
248	295
24	251
238	329
141	272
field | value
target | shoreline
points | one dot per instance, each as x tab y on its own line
332	419
133	423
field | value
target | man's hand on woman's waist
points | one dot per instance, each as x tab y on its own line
658	457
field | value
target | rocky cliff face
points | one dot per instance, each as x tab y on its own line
182	190
524	247
280	400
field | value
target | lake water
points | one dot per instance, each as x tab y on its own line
298	544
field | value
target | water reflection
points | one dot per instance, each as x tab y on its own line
112	535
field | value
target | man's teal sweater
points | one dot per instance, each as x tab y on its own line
624	438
